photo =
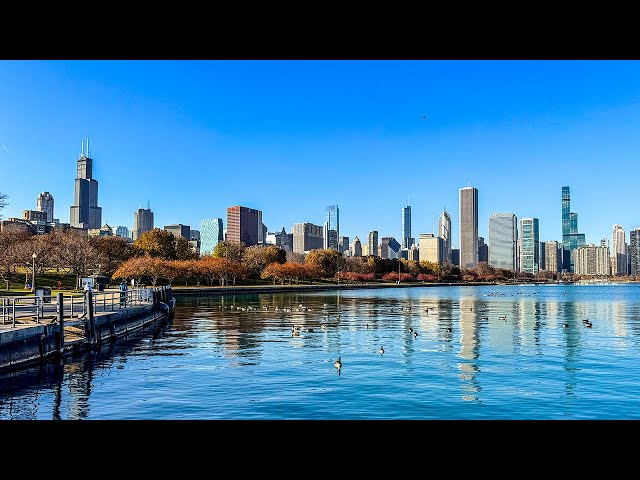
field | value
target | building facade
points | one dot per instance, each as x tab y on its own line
619	254
634	251
455	256
468	227
357	247
552	256
44	203
142	222
407	240
122	231
85	212
331	227
211	234
431	248
592	260
571	239
179	230
483	251
503	241
529	245
244	225
390	248
444	231
343	244
372	243
306	237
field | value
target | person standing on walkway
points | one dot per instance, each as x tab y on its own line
123	293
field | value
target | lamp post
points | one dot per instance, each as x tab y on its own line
33	272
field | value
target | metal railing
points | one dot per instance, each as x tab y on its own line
30	309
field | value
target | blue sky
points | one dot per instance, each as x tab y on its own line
291	137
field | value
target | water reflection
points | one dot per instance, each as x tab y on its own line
469	348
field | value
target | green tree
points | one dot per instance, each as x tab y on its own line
156	243
229	250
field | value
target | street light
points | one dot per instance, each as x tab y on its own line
33	272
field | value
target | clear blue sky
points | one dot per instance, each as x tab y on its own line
291	137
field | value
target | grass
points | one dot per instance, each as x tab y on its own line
48	279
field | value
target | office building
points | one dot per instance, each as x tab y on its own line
455	256
85	212
343	244
34	216
483	251
503	241
307	237
244	225
372	243
431	248
571	239
413	253
179	230
281	239
619	254
357	247
592	260
44	203
211	233
634	251
389	248
552	256
444	231
529	245
468	227
122	231
407	240
331	228
142	222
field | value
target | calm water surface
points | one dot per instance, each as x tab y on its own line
491	352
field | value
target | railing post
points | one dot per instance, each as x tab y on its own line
60	312
72	305
3	314
37	310
92	332
14	312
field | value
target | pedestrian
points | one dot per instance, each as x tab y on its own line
123	293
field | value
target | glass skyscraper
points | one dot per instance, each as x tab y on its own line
211	234
407	241
571	239
331	229
530	245
503	238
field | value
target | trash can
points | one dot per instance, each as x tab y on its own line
45	293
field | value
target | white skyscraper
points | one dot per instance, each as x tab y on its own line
444	231
503	241
619	254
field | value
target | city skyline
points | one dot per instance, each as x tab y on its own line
552	113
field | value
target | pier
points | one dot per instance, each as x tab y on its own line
41	328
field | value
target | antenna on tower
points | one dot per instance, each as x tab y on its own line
148	205
82	148
88	152
433	223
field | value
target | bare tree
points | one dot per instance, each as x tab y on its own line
74	253
10	239
3	201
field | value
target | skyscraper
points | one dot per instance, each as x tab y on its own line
407	240
619	254
45	204
634	251
211	233
483	250
529	245
85	212
372	243
331	228
122	231
431	248
592	260
357	247
343	244
390	248
468	227
142	222
571	239
244	225
552	256
307	237
503	240
444	231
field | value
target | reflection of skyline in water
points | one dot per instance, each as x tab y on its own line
472	347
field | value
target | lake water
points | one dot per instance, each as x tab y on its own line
489	352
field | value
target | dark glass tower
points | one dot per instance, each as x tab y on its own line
85	212
571	239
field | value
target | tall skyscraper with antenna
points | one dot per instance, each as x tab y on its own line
468	227
85	212
407	240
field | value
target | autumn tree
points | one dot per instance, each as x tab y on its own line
10	239
257	257
295	257
132	268
44	247
151	268
73	252
483	268
328	261
229	250
156	243
111	252
183	250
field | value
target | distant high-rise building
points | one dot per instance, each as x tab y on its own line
179	230
194	234
390	248
357	247
542	256
244	225
307	237
331	230
343	244
592	260
407	240
372	242
503	240
571	239
85	212
211	234
45	204
455	256
281	239
34	215
431	248
122	231
414	253
634	251
619	254
552	256
529	245
483	250
142	222
444	231
468	227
